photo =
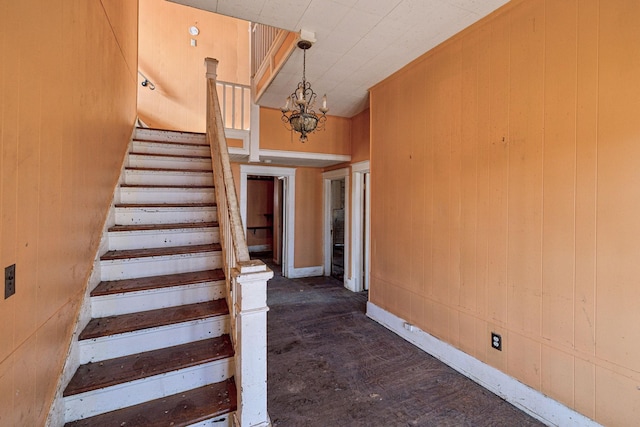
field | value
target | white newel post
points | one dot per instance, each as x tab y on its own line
251	356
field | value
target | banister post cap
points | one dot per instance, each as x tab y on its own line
211	65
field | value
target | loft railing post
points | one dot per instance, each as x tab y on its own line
246	279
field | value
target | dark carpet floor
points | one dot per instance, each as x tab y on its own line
330	365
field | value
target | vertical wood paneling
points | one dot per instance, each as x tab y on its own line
441	238
586	177
28	188
469	175
429	141
418	179
534	203
559	172
67	106
618	187
498	170
526	95
484	207
9	203
455	131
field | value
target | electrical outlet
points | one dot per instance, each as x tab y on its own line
9	281
496	341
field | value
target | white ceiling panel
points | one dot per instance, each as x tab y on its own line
358	42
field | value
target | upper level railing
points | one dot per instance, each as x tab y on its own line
270	48
235	105
246	280
262	38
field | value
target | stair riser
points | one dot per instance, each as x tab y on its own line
104	348
121	240
171	149
132	302
158	266
169	195
169	136
144	161
111	398
129	216
225	420
135	177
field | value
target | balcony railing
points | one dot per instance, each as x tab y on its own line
235	105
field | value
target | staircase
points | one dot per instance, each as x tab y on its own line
157	349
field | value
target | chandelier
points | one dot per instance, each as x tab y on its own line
298	113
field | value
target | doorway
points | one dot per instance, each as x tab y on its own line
281	199
336	226
361	226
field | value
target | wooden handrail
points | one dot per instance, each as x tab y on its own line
245	279
221	154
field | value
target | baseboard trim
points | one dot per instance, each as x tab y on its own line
533	402
297	273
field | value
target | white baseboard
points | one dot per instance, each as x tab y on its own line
350	284
533	402
296	273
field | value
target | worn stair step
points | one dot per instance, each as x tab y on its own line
163	161
154	252
215	402
140	294
157	176
153	375
148	283
162	193
107	373
131	263
149	134
164	213
172	148
114	336
114	325
142	236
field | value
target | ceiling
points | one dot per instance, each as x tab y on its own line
358	42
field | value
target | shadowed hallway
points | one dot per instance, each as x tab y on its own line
330	365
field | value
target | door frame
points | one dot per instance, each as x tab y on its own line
289	199
327	177
361	227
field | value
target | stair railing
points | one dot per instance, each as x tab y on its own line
235	104
246	279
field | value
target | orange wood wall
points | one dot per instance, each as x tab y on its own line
67	108
506	197
177	69
360	136
308	243
334	139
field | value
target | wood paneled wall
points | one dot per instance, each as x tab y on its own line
506	198
334	139
67	109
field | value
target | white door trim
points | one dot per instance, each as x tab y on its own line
327	178
359	229
289	175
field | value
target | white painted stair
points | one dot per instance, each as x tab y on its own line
157	349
